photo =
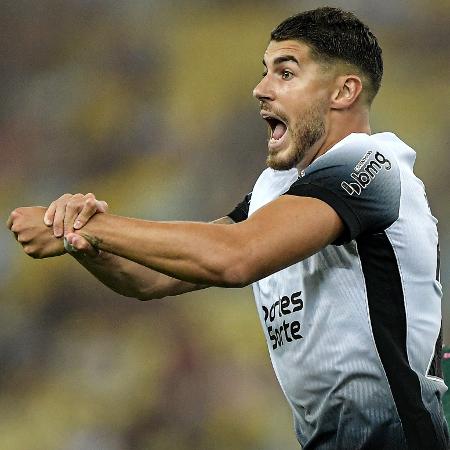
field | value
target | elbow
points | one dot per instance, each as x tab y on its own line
233	267
236	274
143	297
146	295
142	293
137	295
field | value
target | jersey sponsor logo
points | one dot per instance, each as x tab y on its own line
362	161
287	331
365	171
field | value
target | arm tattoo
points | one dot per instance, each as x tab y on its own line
93	240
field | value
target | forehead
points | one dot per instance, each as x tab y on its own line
276	49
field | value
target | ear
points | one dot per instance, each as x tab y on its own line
347	90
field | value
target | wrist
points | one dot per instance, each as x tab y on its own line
88	231
91	253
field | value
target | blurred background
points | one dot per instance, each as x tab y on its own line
148	105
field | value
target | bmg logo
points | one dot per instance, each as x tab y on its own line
365	176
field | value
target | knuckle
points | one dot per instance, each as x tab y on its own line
83	246
35	251
29	250
22	237
60	204
90	202
72	203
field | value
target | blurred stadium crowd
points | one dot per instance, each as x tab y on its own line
148	105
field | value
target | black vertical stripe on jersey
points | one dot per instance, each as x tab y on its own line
438	263
388	321
435	369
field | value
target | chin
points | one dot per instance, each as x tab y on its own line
283	160
279	164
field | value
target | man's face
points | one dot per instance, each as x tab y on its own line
294	97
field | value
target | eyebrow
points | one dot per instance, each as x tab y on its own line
282	59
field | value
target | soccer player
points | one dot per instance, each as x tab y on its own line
336	237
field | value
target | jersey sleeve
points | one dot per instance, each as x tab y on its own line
240	212
360	182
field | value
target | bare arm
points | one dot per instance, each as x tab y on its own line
283	232
135	280
121	275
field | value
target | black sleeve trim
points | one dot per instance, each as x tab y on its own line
346	213
240	213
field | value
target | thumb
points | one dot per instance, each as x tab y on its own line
102	206
81	245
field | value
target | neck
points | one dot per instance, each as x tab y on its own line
336	129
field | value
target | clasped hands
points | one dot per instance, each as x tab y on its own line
41	231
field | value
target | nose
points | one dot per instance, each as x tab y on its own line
263	90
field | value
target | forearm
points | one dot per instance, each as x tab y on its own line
131	279
190	251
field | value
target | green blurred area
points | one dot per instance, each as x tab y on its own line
148	105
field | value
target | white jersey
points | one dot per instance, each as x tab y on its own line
352	329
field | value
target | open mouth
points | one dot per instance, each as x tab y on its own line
277	128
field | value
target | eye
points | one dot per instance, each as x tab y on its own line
286	75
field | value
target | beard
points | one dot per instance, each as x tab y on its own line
307	132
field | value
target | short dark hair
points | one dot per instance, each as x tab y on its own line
335	35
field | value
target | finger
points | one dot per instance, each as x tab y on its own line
74	206
60	212
91	207
21	239
80	244
12	217
10	221
58	221
102	206
50	214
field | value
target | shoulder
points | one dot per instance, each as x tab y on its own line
354	164
355	152
360	179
